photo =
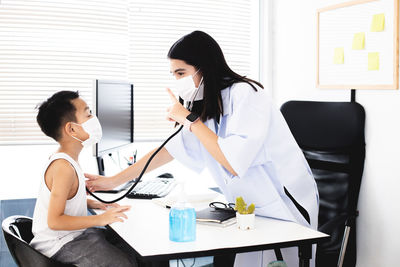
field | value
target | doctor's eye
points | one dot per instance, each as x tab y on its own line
180	74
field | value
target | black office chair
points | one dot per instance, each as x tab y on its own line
17	232
331	135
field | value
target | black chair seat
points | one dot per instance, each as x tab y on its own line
17	232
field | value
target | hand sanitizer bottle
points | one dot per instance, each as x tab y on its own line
182	220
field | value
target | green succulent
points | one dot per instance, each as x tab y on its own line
251	208
242	208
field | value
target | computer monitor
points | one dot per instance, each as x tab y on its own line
114	109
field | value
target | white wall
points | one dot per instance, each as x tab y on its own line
293	77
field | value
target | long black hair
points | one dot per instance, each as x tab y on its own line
201	51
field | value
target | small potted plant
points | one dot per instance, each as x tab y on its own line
244	215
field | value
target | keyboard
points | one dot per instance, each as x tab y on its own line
153	188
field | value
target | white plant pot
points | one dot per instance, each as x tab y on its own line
245	221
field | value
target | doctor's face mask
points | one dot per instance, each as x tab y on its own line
187	89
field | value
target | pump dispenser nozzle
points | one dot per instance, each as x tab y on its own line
182	192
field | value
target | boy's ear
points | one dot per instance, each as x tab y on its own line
69	128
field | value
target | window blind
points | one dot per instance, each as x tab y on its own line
154	25
47	46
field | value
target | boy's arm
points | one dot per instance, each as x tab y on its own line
64	175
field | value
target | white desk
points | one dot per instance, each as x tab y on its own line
147	231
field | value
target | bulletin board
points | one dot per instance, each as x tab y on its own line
358	45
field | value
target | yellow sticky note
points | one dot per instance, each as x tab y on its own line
359	41
338	57
378	23
373	61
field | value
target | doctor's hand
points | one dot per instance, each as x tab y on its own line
176	112
96	182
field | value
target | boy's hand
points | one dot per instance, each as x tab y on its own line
93	204
113	215
97	182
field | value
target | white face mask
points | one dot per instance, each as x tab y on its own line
187	90
93	128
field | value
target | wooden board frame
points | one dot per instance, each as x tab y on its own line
395	84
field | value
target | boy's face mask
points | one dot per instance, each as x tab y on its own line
187	90
93	128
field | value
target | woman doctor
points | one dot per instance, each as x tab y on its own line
234	130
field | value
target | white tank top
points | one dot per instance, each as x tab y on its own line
49	241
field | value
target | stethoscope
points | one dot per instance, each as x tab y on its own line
189	107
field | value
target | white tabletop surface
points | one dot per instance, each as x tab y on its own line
147	231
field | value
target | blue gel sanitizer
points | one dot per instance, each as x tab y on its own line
182	219
182	223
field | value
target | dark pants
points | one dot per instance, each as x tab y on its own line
96	247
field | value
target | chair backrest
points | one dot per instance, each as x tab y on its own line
17	232
331	135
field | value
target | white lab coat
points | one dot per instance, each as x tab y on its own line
259	146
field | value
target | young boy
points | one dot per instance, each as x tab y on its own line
62	230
